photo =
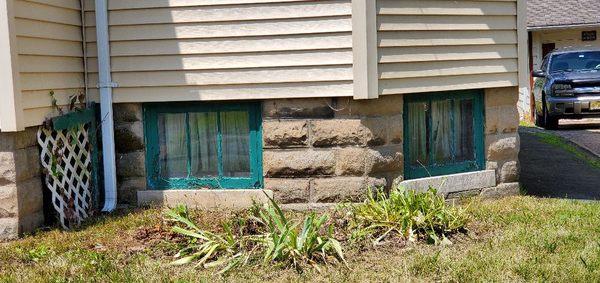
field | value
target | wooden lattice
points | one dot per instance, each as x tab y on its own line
67	159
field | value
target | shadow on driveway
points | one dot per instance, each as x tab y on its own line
549	171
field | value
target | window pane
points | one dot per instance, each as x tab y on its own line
464	130
235	145
203	139
441	128
417	128
172	137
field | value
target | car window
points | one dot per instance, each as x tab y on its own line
545	63
575	61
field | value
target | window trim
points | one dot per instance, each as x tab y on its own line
151	112
413	172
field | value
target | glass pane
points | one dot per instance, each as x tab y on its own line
172	138
441	128
203	140
463	126
418	137
235	133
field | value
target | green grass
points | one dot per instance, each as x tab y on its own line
562	143
513	239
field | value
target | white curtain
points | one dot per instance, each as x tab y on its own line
173	145
203	139
417	119
441	112
235	143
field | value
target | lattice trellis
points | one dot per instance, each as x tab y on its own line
67	159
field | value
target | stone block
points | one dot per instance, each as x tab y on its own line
30	197
8	172
27	163
127	113
501	120
342	189
205	199
385	105
351	161
9	229
502	190
130	137
348	132
18	140
131	164
298	108
29	223
385	159
339	189
395	128
509	172
454	183
506	96
298	163
289	190
9	206
128	188
502	147
285	133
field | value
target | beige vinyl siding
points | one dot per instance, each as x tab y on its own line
50	56
437	45
181	50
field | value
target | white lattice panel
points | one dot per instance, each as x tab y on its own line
66	157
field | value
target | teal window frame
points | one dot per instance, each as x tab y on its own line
478	163
254	181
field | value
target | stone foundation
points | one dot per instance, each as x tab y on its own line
331	150
21	188
131	155
324	150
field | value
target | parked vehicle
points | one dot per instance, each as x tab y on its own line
567	86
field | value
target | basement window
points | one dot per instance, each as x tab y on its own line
203	145
444	133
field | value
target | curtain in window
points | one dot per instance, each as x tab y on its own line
441	112
417	119
465	149
235	143
173	145
203	144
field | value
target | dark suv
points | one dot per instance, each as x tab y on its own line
567	86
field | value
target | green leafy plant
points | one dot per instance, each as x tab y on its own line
264	235
288	245
408	214
208	249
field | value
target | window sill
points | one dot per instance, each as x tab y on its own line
204	199
454	183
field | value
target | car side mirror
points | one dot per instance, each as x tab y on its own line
539	74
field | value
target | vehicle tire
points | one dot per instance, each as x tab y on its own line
550	123
539	119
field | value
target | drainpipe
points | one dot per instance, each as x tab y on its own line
105	85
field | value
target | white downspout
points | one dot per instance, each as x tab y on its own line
105	85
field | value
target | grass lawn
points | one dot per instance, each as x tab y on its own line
513	239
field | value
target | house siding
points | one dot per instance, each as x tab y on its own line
446	45
50	55
227	50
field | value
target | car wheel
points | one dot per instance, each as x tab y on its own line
550	123
539	119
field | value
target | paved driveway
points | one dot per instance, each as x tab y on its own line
585	133
549	171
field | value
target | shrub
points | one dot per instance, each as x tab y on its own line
264	235
406	213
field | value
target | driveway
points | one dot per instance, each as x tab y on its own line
549	171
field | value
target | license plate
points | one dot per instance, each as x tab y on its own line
595	105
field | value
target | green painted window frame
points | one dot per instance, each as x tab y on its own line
478	163
151	112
